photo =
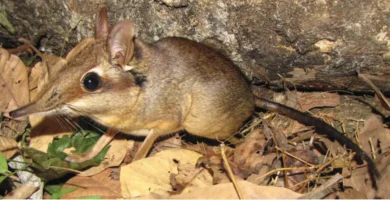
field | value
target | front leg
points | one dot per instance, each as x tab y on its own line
146	145
160	127
100	144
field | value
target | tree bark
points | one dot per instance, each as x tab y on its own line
307	44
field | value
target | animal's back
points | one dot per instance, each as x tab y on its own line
211	94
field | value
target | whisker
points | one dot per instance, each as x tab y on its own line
73	124
66	120
94	125
70	120
84	113
60	119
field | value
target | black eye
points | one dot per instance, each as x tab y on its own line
91	82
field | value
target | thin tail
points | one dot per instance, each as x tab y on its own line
323	128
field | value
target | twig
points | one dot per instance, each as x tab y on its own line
32	47
285	174
325	165
309	179
19	49
286	169
382	97
230	173
294	156
372	148
324	189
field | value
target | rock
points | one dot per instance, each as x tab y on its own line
315	45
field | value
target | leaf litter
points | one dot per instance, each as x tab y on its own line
278	157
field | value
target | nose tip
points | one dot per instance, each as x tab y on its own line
23	111
16	113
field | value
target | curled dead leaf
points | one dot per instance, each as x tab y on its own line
375	132
153	174
13	82
23	191
98	185
248	155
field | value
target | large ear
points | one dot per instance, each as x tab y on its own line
101	26
121	43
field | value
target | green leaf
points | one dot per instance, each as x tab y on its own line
2	178
52	189
28	61
25	134
62	192
3	163
100	157
56	148
5	22
84	141
51	165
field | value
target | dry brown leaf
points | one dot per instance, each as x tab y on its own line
8	146
191	177
36	78
309	100
332	146
22	192
249	190
360	179
373	129
35	75
99	185
152	174
12	128
248	155
114	156
263	169
13	82
383	164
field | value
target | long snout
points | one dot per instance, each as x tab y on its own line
24	110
